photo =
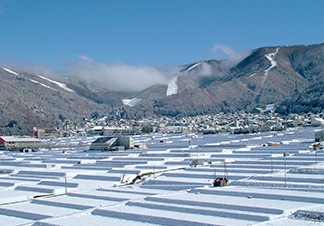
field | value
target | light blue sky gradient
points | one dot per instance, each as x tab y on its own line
151	32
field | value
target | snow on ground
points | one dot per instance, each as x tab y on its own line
10	71
266	188
63	86
131	102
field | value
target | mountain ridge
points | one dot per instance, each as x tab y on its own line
269	75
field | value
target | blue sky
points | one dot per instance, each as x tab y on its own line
53	33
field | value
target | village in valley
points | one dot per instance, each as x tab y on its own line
261	120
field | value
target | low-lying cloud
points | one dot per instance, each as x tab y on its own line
114	77
38	69
229	55
118	76
123	77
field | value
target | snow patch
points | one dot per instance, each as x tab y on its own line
10	71
63	86
131	102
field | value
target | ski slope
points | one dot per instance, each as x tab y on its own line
270	57
63	86
10	71
131	102
172	86
46	86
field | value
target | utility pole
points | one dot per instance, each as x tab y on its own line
285	173
154	173
66	191
271	164
284	155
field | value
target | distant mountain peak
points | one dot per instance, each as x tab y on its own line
268	75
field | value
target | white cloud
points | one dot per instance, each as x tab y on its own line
115	77
44	70
85	58
123	77
118	76
229	55
207	70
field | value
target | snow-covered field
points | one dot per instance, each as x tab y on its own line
265	187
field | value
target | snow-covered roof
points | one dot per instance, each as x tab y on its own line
18	139
106	128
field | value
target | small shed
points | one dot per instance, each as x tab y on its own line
220	182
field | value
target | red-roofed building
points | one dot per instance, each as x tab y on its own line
18	143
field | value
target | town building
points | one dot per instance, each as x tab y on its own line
110	143
106	130
19	143
317	122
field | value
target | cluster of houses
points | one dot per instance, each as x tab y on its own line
238	122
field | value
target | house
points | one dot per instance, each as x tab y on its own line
317	122
210	130
106	130
18	143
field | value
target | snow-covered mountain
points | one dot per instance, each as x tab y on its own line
29	100
267	76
